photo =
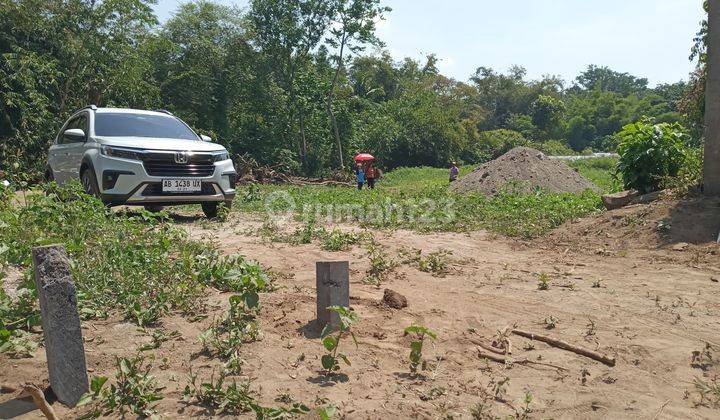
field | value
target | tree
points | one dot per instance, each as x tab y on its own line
287	31
353	27
602	78
547	112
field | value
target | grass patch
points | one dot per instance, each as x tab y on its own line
136	264
601	171
418	199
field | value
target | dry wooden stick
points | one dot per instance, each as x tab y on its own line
499	359
487	347
610	361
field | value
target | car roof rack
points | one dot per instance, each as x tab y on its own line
92	107
164	111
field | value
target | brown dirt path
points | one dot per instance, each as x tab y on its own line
650	312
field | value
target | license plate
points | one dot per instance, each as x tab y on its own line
181	185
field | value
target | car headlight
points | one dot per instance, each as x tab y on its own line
123	153
220	156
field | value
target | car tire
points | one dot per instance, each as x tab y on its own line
89	183
153	208
210	209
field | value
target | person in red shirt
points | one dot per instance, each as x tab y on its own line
371	174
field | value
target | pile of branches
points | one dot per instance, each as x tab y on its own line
250	171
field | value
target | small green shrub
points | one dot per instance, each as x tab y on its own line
239	326
234	399
437	262
418	334
134	390
337	240
650	152
331	360
381	265
543	281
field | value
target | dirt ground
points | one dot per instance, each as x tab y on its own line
650	301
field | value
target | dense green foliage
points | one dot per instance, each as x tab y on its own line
135	264
287	82
649	153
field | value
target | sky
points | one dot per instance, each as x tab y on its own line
646	38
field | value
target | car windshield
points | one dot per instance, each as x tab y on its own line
141	125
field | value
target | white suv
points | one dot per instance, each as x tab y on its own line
149	158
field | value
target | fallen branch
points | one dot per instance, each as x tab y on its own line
610	361
487	347
500	359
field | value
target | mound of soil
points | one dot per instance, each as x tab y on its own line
668	223
523	169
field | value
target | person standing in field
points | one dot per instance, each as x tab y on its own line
371	175
360	172
454	171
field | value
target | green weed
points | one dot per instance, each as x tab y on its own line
134	390
239	326
437	262
381	265
234	399
543	281
418	334
337	240
331	360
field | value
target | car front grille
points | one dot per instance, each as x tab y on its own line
164	164
154	189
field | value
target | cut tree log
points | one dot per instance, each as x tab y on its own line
610	361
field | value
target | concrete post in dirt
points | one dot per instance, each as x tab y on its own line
711	160
61	324
333	289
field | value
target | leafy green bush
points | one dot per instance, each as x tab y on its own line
650	152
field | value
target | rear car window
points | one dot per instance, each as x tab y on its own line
141	125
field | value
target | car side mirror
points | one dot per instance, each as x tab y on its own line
203	137
75	134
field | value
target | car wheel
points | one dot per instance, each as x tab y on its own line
154	208
210	210
89	182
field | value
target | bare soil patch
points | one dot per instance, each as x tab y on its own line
654	313
525	169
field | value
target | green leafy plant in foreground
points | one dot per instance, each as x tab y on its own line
234	399
418	334
330	361
239	326
134	390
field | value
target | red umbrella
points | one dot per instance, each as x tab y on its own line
364	157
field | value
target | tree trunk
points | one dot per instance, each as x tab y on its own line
711	163
328	105
304	140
